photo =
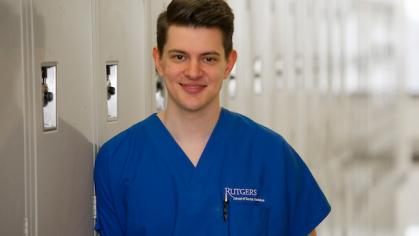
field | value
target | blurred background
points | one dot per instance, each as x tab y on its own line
339	79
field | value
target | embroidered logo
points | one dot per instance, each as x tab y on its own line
243	194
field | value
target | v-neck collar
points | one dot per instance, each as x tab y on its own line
177	159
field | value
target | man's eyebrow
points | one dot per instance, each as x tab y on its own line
212	53
205	54
176	51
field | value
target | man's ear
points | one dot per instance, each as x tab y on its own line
231	61
156	59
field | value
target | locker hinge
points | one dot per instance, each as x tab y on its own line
94	215
94	208
26	226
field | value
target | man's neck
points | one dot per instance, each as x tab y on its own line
190	125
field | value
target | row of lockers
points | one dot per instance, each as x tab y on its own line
78	72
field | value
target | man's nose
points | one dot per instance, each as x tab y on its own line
193	71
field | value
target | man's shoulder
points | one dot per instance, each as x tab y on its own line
119	155
126	137
247	126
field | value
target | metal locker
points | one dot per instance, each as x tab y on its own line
280	38
236	89
121	38
61	173
313	135
298	70
12	131
261	16
289	30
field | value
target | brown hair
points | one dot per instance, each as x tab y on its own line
197	13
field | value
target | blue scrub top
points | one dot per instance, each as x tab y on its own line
249	181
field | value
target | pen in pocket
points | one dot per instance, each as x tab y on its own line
225	207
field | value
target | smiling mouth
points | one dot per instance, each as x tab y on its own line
193	88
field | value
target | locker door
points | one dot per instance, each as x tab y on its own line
237	88
294	70
280	106
12	146
262	60
311	101
120	40
62	174
288	33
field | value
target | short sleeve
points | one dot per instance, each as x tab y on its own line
309	205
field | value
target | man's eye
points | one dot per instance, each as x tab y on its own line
178	57
210	59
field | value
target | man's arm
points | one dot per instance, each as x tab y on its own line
107	222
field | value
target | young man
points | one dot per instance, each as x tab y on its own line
196	168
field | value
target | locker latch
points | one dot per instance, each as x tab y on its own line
47	95
111	90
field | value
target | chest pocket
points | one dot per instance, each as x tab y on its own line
247	219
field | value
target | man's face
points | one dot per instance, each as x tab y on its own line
193	65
